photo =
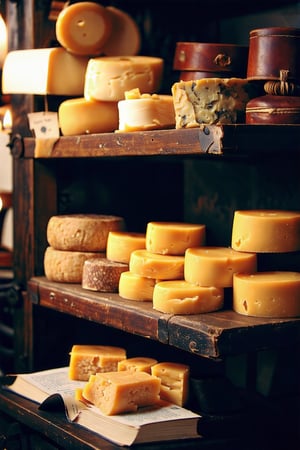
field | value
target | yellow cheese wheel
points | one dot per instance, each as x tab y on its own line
174	379
83	28
109	77
181	297
82	232
137	363
173	238
267	294
120	245
136	287
81	116
266	231
215	266
159	267
101	274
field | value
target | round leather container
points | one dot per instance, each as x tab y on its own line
273	109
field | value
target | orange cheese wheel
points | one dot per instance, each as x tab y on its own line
266	231
120	245
267	294
101	274
159	267
136	287
215	266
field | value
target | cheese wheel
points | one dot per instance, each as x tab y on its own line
266	231
267	294
181	297
66	266
136	287
137	363
83	28
81	116
173	238
109	77
82	232
120	245
87	360
101	274
159	267
215	266
174	378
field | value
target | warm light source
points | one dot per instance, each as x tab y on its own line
3	41
7	121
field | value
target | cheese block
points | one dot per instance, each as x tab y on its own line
137	363
87	360
120	245
174	378
267	294
136	287
181	297
215	266
66	266
109	77
44	71
101	274
159	267
210	101
142	112
95	116
173	238
82	232
266	231
119	392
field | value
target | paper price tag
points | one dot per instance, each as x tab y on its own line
44	125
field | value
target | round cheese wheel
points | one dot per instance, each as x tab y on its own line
135	287
82	232
181	297
215	266
83	28
101	274
120	245
173	238
266	231
159	267
267	294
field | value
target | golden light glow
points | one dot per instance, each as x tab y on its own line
7	121
3	41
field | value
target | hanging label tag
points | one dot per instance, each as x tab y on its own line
44	125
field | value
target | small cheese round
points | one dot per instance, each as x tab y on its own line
159	267
215	266
266	231
82	232
267	294
135	287
120	245
181	297
101	274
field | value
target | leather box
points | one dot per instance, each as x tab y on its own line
273	109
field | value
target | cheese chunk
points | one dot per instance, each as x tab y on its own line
82	232
87	360
181	297
101	274
119	392
109	77
136	287
44	71
173	238
138	363
215	266
120	245
267	294
210	101
174	378
95	116
266	231
159	267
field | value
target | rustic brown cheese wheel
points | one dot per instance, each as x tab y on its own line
101	274
82	232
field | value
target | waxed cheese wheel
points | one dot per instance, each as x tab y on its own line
101	274
173	238
181	297
82	232
120	245
159	267
266	231
137	363
136	287
267	294
215	266
174	378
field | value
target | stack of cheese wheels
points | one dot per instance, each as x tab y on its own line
73	239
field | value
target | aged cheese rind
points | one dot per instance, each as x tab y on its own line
159	267
174	378
101	274
120	245
137	363
136	287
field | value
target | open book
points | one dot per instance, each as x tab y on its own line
53	390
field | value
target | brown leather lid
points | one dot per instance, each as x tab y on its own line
273	109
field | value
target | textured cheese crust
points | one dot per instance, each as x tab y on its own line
159	267
118	392
181	297
82	232
101	274
210	101
174	378
135	287
215	266
86	360
120	245
267	294
138	363
266	231
173	238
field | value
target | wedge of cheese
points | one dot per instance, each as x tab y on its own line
120	245
174	379
102	275
137	363
124	391
87	360
136	287
159	267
